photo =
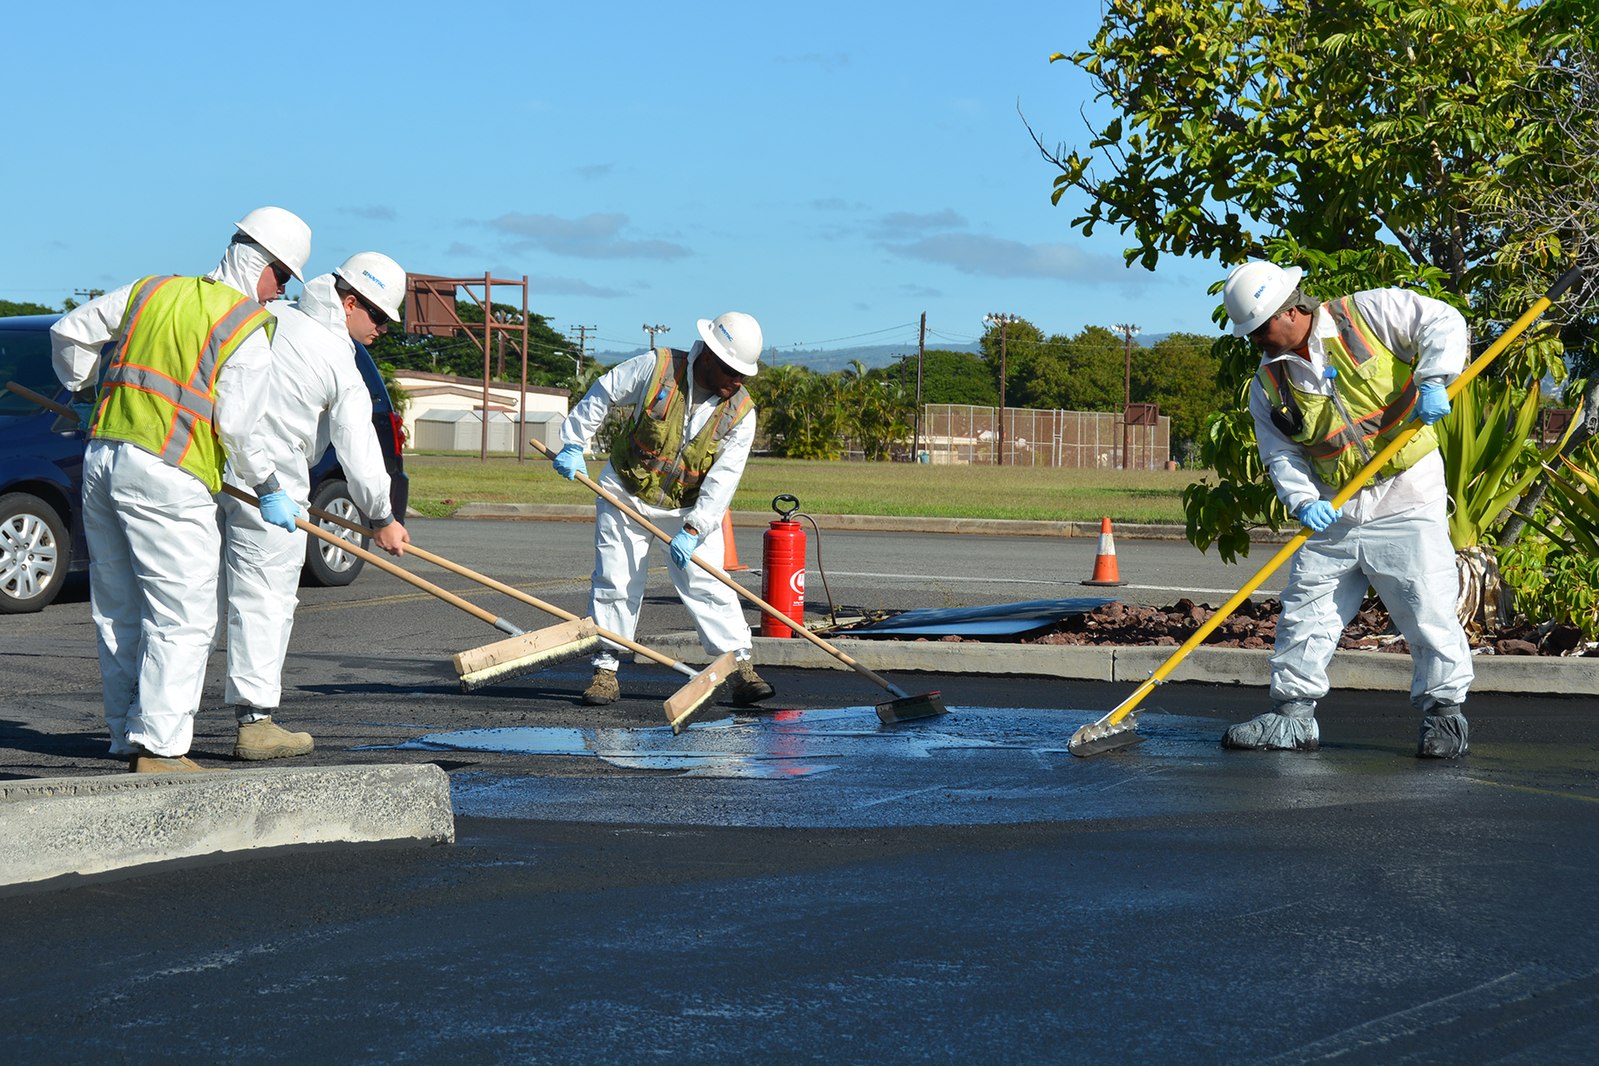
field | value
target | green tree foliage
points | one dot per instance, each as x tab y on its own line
548	363
1375	142
1082	373
1179	372
806	415
880	411
799	415
949	377
11	307
1089	372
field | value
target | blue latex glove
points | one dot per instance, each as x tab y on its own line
569	462
683	546
85	413
1433	403
1318	515
279	510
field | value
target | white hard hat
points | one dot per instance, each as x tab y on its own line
282	233
1255	291
376	277
736	340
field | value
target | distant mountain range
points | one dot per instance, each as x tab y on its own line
871	356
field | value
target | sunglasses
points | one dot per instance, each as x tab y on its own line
283	274
378	317
1260	330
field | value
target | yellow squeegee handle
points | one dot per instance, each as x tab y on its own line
1355	484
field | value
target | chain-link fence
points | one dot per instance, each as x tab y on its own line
961	433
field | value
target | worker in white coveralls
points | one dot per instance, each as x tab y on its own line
678	465
1337	381
182	392
317	397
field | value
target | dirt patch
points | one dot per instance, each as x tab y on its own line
1254	625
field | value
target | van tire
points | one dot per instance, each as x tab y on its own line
325	565
35	551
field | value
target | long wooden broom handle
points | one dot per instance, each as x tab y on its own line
42	400
716	572
317	531
509	590
383	564
1354	485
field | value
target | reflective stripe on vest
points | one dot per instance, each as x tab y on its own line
1377	390
160	388
655	461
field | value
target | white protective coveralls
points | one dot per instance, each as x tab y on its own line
1393	534
622	546
152	530
317	397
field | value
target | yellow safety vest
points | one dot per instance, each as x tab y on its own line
1375	392
655	462
160	388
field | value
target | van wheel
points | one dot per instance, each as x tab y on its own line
325	564
35	551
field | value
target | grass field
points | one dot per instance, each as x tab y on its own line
441	483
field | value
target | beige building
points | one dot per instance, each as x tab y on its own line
447	413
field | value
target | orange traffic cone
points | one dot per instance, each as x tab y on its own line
1105	562
730	561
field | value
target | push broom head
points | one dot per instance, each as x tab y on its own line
515	656
907	708
1096	738
686	703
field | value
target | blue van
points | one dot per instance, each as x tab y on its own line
41	477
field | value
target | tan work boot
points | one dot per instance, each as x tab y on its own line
145	763
603	689
748	687
265	739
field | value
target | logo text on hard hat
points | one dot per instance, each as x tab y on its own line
724	332
373	279
1258	292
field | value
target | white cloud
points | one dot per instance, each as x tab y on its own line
903	224
984	256
554	286
593	236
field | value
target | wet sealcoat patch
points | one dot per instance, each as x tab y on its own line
784	744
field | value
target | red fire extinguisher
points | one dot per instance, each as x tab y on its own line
783	567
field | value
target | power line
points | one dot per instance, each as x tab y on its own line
851	337
959	338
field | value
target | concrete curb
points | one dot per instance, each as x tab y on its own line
551	512
1361	670
58	826
1545	674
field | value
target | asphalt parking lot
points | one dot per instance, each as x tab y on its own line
805	884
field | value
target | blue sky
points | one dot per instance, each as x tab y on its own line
833	169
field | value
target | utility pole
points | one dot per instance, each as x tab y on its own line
1127	331
1002	321
921	352
582	344
653	330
